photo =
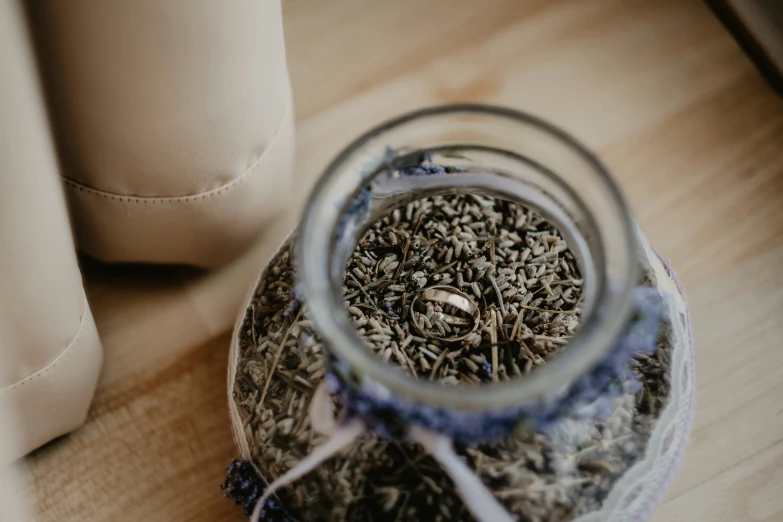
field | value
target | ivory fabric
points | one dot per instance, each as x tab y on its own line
51	354
13	503
164	129
174	122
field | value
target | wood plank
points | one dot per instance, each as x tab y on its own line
748	492
339	50
155	448
739	369
706	183
636	63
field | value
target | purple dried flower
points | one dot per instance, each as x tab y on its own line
424	169
244	486
487	367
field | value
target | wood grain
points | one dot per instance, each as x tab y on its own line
658	89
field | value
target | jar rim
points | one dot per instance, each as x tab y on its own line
593	341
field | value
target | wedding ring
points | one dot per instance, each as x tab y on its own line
446	296
452	319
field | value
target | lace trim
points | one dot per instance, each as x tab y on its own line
640	490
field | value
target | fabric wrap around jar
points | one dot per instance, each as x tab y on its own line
356	439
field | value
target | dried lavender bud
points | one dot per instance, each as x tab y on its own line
487	368
425	169
243	485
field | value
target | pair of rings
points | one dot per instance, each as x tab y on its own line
449	298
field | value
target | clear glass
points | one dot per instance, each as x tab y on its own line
502	153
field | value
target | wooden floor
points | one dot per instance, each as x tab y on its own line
657	88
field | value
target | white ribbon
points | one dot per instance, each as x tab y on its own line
483	504
478	499
323	421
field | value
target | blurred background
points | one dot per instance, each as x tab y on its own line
685	115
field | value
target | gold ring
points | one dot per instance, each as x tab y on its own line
447	296
452	319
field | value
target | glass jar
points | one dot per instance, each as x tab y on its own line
501	153
631	306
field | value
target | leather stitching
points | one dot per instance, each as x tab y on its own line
72	184
60	357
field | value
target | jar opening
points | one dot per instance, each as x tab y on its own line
462	288
496	153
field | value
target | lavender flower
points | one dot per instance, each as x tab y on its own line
243	485
424	169
487	368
